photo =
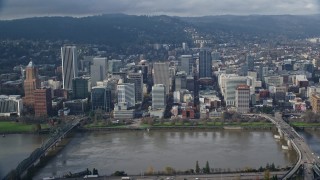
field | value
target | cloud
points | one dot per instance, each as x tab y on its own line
28	8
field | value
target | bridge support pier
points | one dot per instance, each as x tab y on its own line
289	144
280	133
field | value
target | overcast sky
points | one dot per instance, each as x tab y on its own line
11	9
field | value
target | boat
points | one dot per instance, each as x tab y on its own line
3	135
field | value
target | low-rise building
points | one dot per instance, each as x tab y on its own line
10	105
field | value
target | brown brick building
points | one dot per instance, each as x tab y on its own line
30	84
42	102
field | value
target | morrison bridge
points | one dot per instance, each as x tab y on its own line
307	164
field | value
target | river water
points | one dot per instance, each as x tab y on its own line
135	152
312	137
16	147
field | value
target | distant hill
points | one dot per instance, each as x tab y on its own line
291	26
119	29
115	29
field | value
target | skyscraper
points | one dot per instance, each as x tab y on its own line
126	94
69	65
242	100
137	80
161	75
80	88
114	65
186	64
30	84
158	97
231	83
42	102
98	70
180	81
250	62
205	63
101	98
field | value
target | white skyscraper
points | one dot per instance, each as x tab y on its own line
230	88
126	94
69	65
158	97
98	70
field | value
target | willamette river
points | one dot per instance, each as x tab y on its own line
134	152
16	147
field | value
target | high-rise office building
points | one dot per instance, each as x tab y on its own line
80	88
69	57
180	81
98	70
137	80
126	94
158	97
205	63
231	83
250	62
187	64
30	84
101	98
161	75
114	65
42	102
242	100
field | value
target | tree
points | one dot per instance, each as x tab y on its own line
120	173
272	167
169	170
207	168
197	167
95	171
150	170
267	174
37	127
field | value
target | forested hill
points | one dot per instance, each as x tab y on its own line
107	29
119	29
290	26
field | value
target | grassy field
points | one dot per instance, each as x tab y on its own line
304	124
208	124
102	124
187	124
18	127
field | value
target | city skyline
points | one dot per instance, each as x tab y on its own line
15	9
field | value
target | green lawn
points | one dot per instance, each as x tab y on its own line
18	127
305	124
103	124
208	124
